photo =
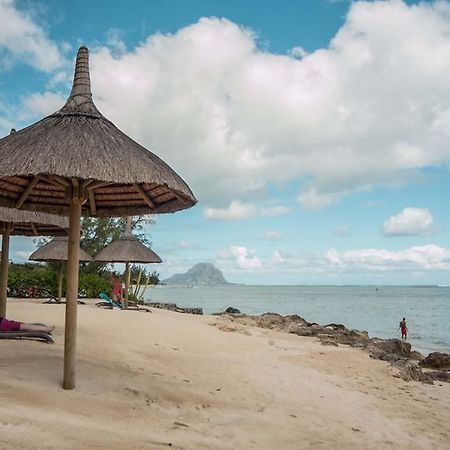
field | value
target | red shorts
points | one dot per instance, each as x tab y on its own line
404	331
9	325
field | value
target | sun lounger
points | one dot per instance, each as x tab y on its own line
52	300
39	335
110	303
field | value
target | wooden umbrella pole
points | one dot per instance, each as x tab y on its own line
4	270
127	283
127	268
73	265
60	280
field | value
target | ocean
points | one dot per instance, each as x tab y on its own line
376	309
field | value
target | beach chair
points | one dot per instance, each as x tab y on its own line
52	300
37	335
108	301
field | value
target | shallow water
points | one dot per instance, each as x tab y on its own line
375	309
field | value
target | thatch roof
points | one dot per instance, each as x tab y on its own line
30	223
56	250
114	175
128	248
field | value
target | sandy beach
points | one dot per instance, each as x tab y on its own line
169	380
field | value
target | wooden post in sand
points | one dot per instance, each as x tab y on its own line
73	263
60	280
4	270
127	268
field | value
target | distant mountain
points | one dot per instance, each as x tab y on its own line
201	273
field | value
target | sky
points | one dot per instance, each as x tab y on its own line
315	134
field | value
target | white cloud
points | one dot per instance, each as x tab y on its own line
235	211
311	199
273	235
38	104
22	256
409	222
240	211
426	257
370	109
274	211
240	257
22	39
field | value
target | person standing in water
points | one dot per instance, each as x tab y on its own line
403	328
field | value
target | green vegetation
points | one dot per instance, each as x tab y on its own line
41	280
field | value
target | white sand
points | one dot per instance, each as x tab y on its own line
169	380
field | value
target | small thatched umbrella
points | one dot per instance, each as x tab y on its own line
24	223
127	249
56	250
76	162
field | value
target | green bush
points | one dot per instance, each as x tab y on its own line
91	285
33	280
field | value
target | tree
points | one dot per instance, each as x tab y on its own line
97	233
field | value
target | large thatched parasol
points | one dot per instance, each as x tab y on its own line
24	223
77	162
127	249
56	250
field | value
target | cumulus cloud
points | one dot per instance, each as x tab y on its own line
239	211
38	104
240	257
370	109
22	39
426	257
427	262
409	222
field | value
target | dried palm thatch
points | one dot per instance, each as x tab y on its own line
56	250
116	176
25	223
31	223
127	248
76	162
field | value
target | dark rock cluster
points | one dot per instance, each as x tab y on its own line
397	352
174	307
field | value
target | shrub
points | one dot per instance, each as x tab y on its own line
33	280
91	285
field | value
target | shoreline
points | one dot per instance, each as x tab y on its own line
184	381
428	331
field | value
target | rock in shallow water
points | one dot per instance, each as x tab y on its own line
231	310
436	360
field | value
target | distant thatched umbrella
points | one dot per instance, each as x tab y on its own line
77	162
56	250
24	223
127	249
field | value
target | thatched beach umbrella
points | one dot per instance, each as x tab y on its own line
24	223
127	249
77	162
56	250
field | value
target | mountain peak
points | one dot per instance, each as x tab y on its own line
202	273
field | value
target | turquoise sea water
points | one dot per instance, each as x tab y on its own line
375	309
